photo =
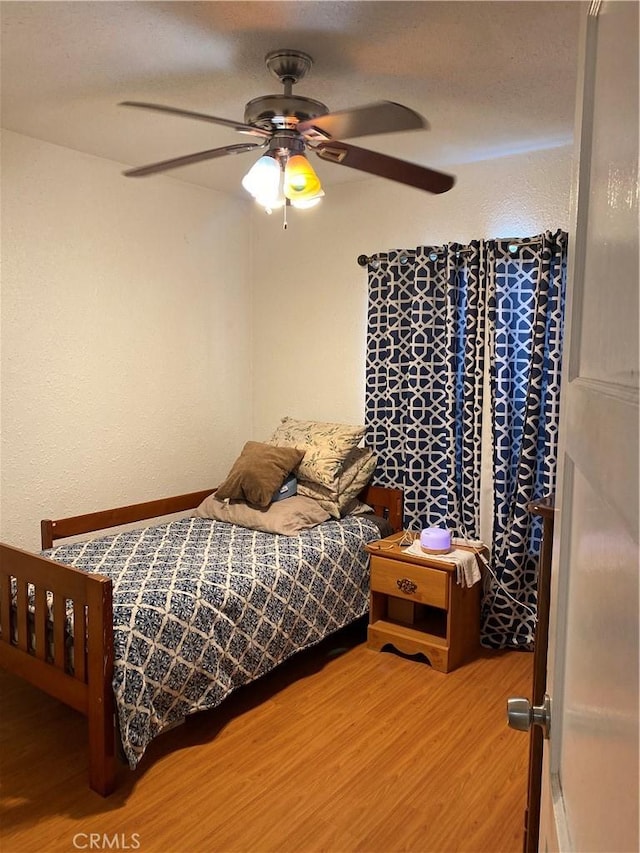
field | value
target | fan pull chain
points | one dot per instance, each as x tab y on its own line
284	215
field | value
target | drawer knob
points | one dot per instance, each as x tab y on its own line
406	585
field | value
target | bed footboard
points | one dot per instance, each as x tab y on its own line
41	602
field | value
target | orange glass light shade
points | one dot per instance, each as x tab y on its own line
300	181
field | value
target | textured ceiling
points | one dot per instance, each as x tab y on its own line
492	78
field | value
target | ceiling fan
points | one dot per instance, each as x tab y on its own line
287	125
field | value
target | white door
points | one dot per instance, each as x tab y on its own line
590	772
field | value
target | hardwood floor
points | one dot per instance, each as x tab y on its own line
342	749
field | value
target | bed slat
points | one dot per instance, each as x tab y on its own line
79	641
59	619
22	603
40	620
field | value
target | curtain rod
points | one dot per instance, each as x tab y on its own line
403	256
375	260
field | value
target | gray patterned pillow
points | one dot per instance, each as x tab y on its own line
326	447
340	499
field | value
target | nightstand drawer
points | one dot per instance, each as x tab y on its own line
425	585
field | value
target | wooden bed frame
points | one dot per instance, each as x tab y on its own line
26	638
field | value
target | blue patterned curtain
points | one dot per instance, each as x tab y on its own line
425	359
427	330
525	311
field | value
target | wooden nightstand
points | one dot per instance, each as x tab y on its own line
417	606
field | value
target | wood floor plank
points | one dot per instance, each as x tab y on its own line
342	749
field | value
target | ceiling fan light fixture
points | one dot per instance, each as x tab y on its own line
300	180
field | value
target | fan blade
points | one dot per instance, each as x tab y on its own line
381	117
165	165
236	125
384	166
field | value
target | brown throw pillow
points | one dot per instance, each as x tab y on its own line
258	473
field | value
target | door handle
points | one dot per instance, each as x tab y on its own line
521	715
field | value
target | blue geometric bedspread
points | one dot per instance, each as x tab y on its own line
201	607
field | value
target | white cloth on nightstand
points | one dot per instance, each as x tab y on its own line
467	569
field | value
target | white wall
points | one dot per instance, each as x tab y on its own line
126	357
150	327
310	295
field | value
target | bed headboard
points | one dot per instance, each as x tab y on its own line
386	502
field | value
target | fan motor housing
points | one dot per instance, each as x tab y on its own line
282	112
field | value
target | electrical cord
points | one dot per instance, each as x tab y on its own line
485	562
409	537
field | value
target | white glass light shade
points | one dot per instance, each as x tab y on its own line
263	179
271	203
